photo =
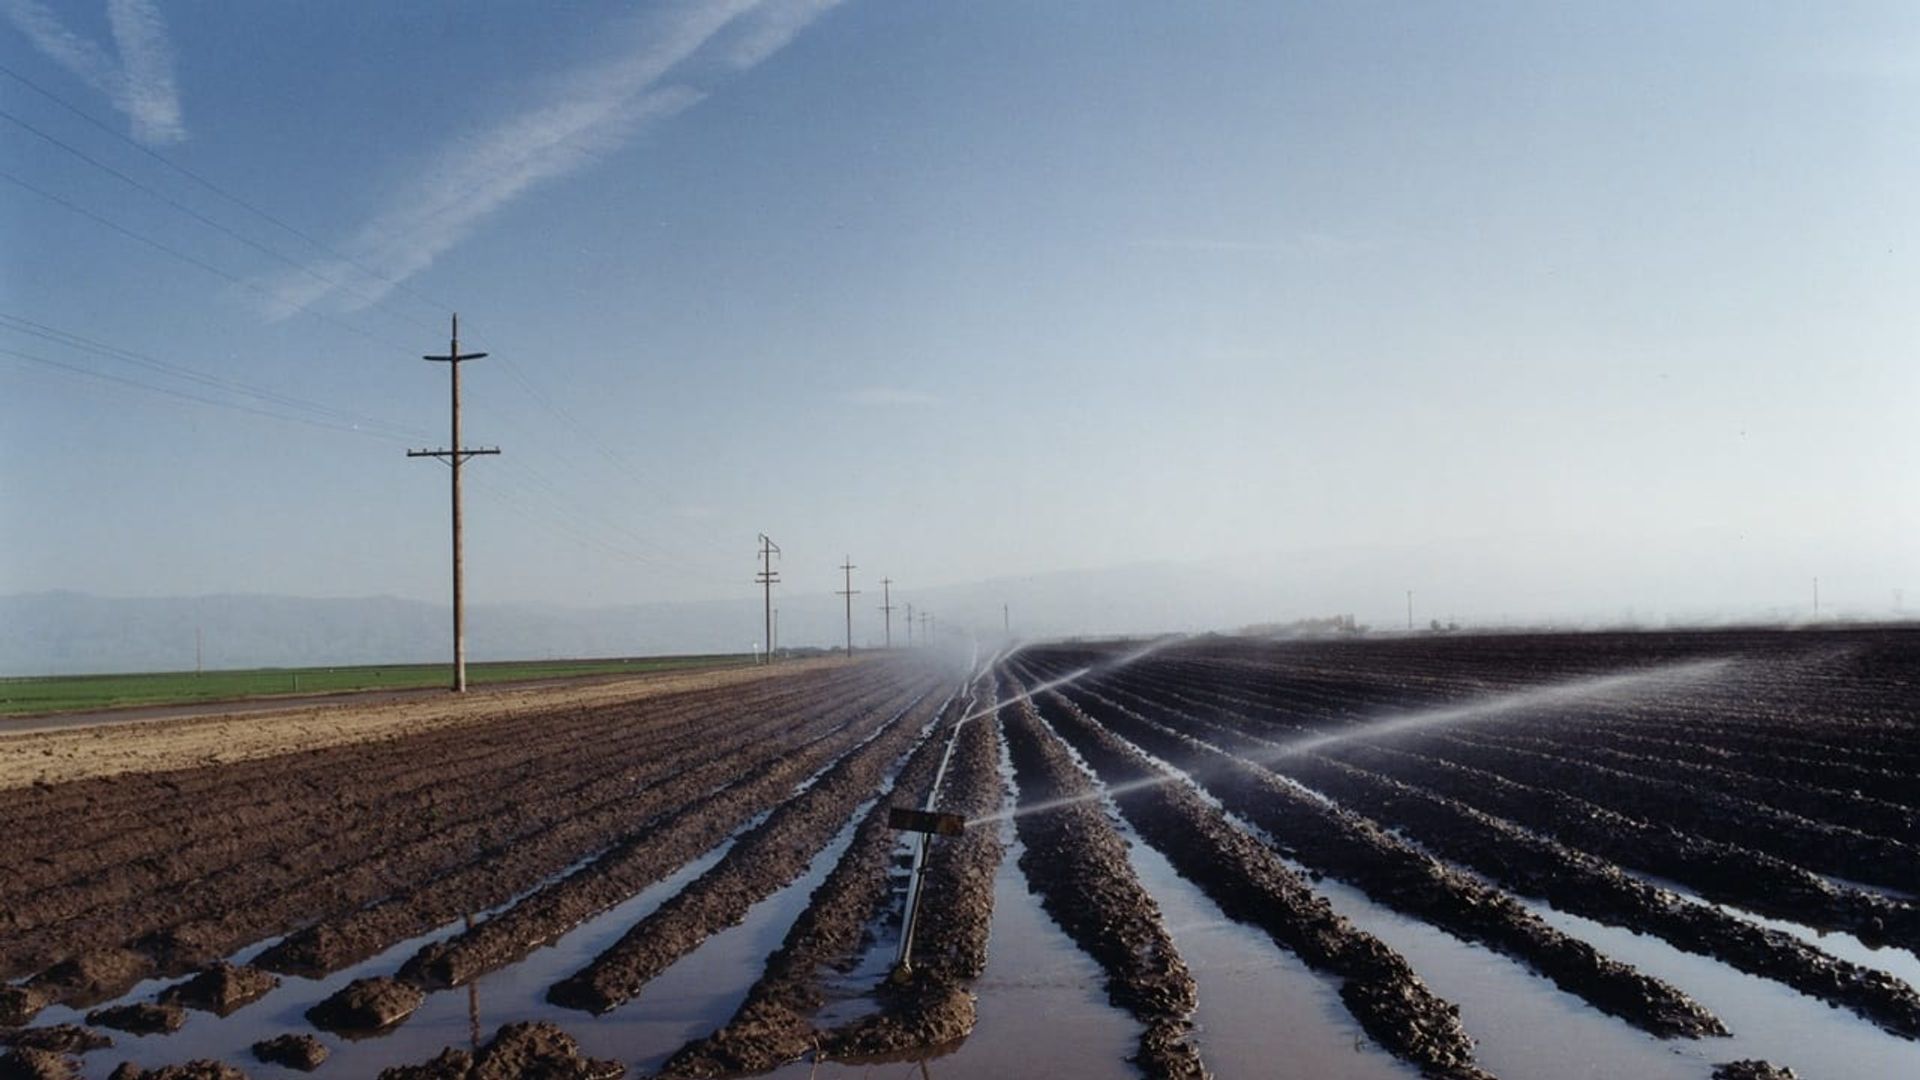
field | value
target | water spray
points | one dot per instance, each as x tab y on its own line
1620	686
928	823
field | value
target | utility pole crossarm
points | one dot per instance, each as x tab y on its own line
454	454
847	567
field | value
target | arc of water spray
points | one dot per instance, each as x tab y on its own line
1619	686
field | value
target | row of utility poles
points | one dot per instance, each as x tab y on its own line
767	577
456	455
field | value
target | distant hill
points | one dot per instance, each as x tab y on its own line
1546	579
70	632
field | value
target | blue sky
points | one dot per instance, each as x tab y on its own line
1620	292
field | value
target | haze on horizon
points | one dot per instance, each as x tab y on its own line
1539	310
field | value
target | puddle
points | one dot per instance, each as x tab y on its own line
1523	1025
1261	1011
1768	1020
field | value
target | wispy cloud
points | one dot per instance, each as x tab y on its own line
888	396
137	77
676	57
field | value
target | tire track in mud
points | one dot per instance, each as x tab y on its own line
1253	886
773	1025
1344	845
769	856
1583	884
1077	863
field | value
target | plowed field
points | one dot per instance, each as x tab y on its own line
1549	856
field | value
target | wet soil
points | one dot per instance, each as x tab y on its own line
367	1005
932	1006
1078	865
140	1018
33	1063
1347	846
303	1052
767	857
774	1024
221	989
536	1051
1251	884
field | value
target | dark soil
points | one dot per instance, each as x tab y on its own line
933	1007
773	1025
33	1063
303	1052
1077	863
186	866
221	989
1752	1069
140	1018
367	1005
563	829
1251	884
769	856
538	1051
61	1038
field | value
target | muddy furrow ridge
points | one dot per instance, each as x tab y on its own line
1846	809
1347	846
1729	819
768	857
1077	863
1252	885
774	1025
53	819
330	833
1583	884
631	865
1718	871
932	1006
186	926
494	876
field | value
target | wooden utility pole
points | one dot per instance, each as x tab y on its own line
1409	611
1006	622
909	626
886	606
847	568
454	455
766	578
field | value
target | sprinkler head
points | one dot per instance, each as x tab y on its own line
906	819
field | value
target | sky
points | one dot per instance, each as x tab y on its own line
1544	309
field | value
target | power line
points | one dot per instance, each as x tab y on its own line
86	344
195	214
184	257
213	187
186	396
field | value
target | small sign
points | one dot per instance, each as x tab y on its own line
925	821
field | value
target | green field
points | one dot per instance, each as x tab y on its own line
71	693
